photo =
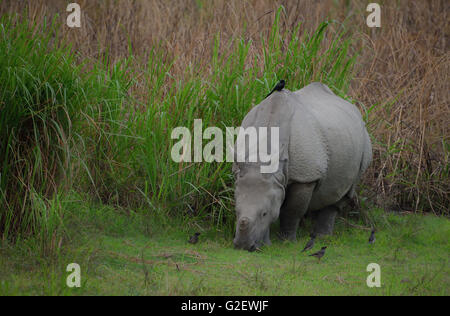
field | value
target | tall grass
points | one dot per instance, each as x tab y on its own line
222	99
400	75
67	128
51	111
99	120
39	101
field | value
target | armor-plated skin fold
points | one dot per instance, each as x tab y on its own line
324	149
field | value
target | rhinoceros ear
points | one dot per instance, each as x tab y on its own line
282	173
281	181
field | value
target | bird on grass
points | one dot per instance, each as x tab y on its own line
194	239
310	244
372	237
280	86
319	254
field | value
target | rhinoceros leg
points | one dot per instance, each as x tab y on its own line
295	205
324	220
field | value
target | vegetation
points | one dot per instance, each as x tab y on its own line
126	153
88	113
52	113
137	254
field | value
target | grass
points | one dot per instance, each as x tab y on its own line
400	77
116	145
94	117
138	255
53	114
222	99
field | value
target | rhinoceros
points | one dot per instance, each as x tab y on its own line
324	149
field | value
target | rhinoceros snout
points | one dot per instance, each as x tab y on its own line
244	223
238	245
245	237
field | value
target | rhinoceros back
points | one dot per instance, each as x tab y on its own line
275	111
322	139
338	147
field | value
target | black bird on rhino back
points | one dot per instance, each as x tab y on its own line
324	149
280	86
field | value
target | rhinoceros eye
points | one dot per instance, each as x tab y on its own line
264	214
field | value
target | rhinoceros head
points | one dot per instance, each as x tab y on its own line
258	200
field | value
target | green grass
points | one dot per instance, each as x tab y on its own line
222	97
78	126
68	126
122	254
58	124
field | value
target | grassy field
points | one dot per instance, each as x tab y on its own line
86	116
138	255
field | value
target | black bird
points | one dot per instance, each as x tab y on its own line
194	239
278	87
310	244
319	254
372	237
